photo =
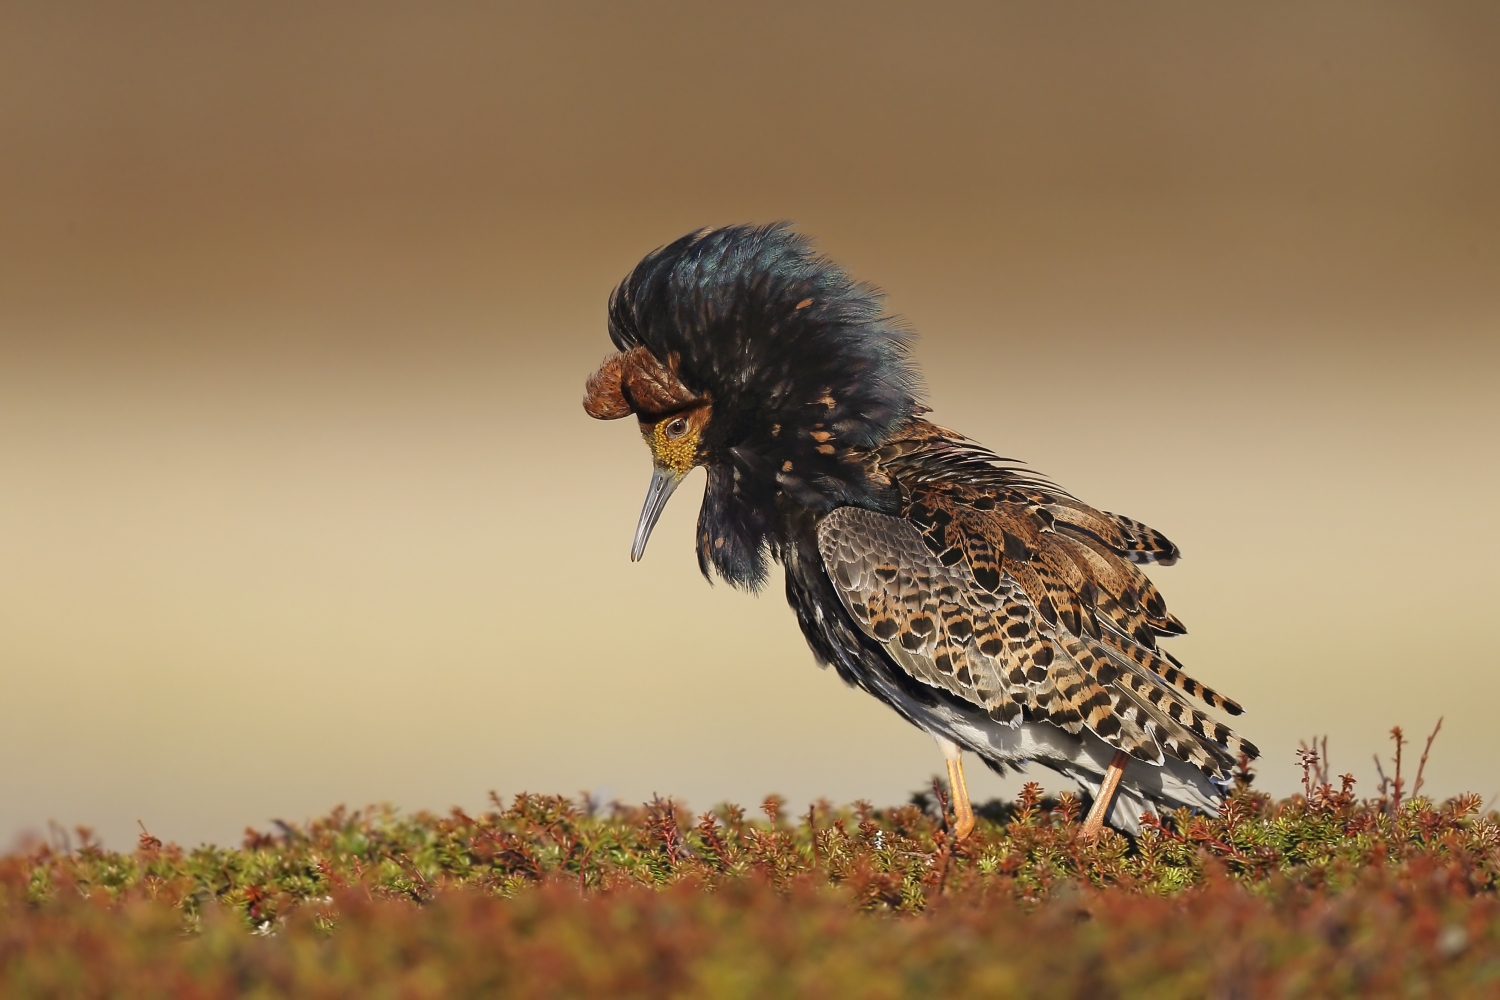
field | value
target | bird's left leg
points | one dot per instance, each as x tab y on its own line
963	812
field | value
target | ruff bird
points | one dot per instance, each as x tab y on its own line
990	608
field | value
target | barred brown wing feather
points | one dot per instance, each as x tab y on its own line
984	645
1143	543
928	619
1135	541
1107	618
902	596
1053	593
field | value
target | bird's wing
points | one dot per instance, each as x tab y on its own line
957	608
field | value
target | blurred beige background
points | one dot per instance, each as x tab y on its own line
298	505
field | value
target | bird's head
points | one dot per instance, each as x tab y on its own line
744	351
674	421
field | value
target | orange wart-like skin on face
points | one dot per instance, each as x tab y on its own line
674	439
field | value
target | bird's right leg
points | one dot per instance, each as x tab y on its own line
958	790
1094	822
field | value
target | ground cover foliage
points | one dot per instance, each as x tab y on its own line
1323	893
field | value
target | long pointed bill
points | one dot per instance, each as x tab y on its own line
663	482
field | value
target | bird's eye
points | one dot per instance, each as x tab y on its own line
677	428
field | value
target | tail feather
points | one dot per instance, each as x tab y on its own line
1222	744
1169	669
1118	723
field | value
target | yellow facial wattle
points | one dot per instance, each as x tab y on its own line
674	440
680	454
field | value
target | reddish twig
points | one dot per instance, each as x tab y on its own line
1398	783
1416	788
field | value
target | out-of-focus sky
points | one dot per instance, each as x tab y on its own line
298	505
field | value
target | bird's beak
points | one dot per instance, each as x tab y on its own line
663	482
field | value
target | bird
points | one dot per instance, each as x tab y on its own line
983	603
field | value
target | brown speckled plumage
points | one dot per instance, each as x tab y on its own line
1023	600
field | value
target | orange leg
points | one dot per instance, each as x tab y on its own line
963	812
1095	820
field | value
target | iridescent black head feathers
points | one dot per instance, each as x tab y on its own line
801	365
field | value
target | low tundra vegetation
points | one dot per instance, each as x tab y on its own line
1323	893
